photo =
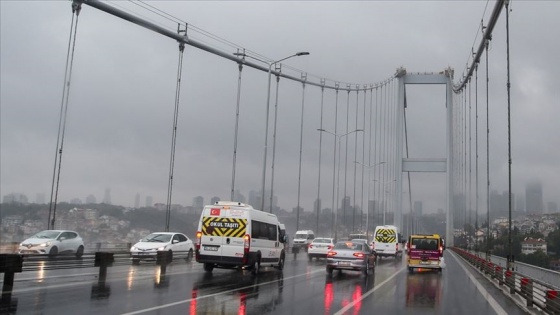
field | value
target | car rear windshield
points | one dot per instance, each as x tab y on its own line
425	244
322	240
348	246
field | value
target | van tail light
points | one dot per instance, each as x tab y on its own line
246	247
359	255
441	251
330	254
198	239
408	247
397	247
372	245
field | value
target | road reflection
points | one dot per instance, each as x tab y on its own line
346	289
424	289
236	293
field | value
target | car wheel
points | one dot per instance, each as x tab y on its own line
80	252
281	263
135	261
329	270
310	257
255	269
208	267
189	256
53	252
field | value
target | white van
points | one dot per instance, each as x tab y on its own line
302	239
233	234
386	241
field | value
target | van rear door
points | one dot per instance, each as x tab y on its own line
223	229
424	250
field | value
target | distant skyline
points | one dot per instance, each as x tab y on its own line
417	204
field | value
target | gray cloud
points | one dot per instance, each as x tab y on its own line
123	85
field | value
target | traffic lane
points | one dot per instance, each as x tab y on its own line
431	292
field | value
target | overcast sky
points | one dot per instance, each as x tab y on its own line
119	124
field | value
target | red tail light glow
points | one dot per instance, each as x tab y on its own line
331	254
246	247
359	255
198	239
310	246
329	247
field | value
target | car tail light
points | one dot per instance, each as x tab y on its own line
310	246
198	239
329	247
359	255
331	254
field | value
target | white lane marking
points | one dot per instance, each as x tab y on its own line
349	306
213	294
493	303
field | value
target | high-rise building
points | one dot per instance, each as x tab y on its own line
15	198
418	208
137	201
534	198
149	202
198	202
237	196
214	199
317	206
107	196
90	199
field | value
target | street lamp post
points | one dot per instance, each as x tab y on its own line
270	64
338	136
369	167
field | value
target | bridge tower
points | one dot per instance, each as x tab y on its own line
434	164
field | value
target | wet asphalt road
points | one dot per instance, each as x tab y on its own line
303	287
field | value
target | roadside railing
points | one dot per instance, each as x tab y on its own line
536	293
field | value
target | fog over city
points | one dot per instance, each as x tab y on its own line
122	95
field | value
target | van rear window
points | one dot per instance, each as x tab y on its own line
265	231
425	244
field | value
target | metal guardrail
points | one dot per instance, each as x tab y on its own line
535	292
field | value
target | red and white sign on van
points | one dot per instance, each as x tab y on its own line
215	211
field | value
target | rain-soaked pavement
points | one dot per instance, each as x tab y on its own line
303	287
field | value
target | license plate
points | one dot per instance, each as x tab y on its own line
424	262
343	263
211	248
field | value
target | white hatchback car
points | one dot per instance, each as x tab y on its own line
52	243
148	247
320	247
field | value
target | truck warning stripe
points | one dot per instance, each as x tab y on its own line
386	236
230	227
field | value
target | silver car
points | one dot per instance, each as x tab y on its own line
350	255
53	242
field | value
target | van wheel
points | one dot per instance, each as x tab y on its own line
255	269
281	263
208	267
410	269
